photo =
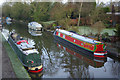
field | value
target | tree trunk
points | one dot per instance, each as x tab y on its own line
79	14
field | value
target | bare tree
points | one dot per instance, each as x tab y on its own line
79	13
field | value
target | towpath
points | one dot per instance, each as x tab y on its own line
6	67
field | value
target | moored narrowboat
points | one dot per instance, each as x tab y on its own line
97	48
28	55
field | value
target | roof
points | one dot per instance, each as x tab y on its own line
49	22
116	13
34	24
33	51
78	36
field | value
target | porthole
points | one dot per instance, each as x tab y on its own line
74	40
82	44
63	36
58	34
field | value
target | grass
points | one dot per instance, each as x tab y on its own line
87	30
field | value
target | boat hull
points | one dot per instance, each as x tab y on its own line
36	69
90	53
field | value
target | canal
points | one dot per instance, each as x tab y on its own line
62	61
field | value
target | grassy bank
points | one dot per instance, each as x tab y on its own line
19	69
87	30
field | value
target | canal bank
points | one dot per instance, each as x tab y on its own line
113	50
11	66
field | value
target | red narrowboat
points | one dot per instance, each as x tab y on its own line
90	45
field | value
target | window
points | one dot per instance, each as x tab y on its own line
58	34
74	40
82	44
63	36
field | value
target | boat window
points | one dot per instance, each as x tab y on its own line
74	40
64	48
58	34
28	49
81	43
63	36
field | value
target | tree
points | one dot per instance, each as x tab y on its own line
6	9
99	14
58	14
21	11
40	10
83	10
79	13
98	27
117	32
17	9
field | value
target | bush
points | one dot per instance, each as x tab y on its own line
117	32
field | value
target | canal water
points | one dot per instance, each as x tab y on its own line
64	61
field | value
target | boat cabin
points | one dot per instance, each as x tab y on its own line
23	44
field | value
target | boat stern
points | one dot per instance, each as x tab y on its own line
35	69
100	53
100	50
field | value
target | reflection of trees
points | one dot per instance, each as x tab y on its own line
115	68
7	27
75	67
53	58
19	28
49	56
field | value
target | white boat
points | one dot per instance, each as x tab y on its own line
8	19
35	26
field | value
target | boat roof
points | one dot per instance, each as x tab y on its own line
78	36
33	51
35	24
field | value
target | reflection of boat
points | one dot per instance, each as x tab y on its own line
27	53
8	22
35	26
89	59
87	44
36	75
34	33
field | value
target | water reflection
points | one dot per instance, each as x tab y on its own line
34	32
8	22
76	62
65	61
91	60
35	75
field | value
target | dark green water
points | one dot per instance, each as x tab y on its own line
62	61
